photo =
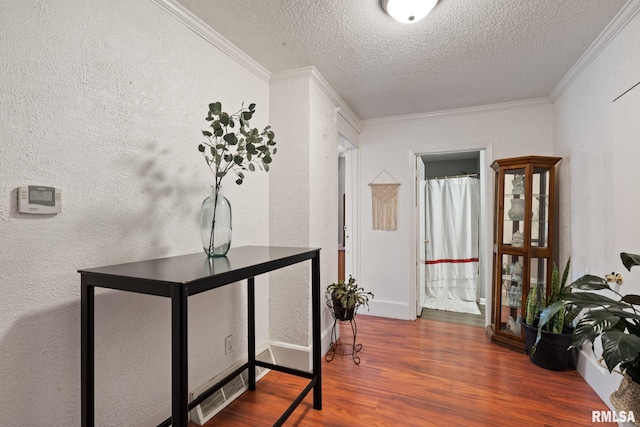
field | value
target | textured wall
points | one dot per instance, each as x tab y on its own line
303	199
106	100
583	132
387	264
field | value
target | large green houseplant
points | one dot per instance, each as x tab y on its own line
616	321
230	145
346	298
547	338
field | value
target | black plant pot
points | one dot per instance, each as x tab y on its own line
340	312
552	351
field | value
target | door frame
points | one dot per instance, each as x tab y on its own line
485	227
352	206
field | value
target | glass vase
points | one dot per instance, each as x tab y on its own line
215	224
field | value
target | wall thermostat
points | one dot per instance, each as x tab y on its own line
36	199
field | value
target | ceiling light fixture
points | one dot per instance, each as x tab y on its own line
408	11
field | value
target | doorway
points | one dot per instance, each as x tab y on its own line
450	284
347	208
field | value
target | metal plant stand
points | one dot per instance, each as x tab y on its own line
343	349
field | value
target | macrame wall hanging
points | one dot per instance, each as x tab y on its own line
384	203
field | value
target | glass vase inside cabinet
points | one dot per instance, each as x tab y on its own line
523	241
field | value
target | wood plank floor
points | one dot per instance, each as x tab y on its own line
423	373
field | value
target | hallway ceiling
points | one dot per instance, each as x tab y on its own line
465	53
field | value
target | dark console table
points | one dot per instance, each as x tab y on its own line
178	278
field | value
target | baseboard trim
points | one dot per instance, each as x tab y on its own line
600	379
299	356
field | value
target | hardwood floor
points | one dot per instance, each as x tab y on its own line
423	373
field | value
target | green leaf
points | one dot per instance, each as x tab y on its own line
565	275
549	313
241	175
589	282
252	107
238	159
246	115
231	138
631	299
215	108
590	300
274	151
218	131
619	347
224	119
252	168
221	174
232	123
266	160
266	167
592	325
201	148
238	181
629	260
206	133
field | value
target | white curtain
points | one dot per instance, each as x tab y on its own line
452	217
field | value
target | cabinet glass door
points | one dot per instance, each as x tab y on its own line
514	207
510	312
538	276
540	208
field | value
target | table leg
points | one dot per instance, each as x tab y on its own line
315	321
87	367
179	356
251	331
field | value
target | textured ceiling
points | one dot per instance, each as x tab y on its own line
465	53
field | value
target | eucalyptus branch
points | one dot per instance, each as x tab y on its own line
227	148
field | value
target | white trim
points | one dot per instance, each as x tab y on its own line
390	309
347	130
462	111
202	29
345	112
626	14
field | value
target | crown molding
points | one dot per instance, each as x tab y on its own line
202	29
350	122
617	24
463	111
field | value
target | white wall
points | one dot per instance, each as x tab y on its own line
388	261
583	137
304	205
106	100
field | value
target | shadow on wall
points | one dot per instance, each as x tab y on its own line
172	197
40	369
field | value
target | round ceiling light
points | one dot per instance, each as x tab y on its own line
408	11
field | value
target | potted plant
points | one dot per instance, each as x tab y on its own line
617	323
230	145
548	336
346	298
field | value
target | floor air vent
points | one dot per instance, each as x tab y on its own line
227	394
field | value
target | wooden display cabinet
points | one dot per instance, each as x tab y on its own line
523	246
